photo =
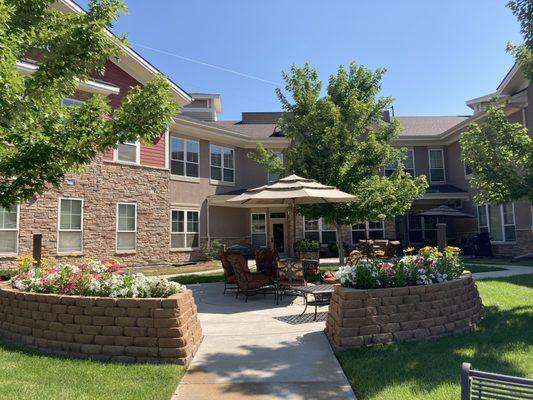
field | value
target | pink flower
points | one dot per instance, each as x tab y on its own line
43	280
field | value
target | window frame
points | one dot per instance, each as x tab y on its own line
422	229
18	235
186	229
125	251
443	181
74	102
221	166
367	230
320	229
170	159
502	225
410	151
137	161
252	227
59	230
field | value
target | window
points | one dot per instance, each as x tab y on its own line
200	103
468	169
368	230
436	166
317	229
408	164
70	232
9	230
259	231
499	221
222	164
128	152
184	229
185	157
422	229
126	226
71	102
275	177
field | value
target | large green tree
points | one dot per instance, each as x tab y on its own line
341	139
41	140
500	152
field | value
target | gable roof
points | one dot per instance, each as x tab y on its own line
130	61
428	125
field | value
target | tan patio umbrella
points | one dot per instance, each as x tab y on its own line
293	190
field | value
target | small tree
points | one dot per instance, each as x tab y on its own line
41	140
500	154
340	139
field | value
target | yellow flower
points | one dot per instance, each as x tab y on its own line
452	249
424	251
409	250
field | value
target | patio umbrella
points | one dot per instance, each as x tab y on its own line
293	190
445	211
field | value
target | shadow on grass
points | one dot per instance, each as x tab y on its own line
500	344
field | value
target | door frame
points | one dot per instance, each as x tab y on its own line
282	221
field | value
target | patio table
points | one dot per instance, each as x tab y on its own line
321	293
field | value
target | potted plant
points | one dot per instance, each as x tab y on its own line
308	249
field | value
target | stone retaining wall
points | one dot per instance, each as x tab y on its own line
103	328
359	318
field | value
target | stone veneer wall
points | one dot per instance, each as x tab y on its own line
103	328
359	318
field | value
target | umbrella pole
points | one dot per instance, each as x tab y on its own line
293	250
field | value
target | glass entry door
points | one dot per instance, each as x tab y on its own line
278	237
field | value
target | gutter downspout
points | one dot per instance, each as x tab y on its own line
207	225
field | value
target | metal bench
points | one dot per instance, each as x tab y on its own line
479	385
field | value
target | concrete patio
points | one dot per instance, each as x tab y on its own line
260	350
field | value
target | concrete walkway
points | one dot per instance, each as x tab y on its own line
510	270
258	350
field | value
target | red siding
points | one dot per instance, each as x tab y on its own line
153	156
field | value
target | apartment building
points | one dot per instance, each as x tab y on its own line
159	204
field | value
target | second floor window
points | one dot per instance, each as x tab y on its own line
436	166
128	152
9	226
408	164
126	226
222	164
275	176
70	232
71	102
185	157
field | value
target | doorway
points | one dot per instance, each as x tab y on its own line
278	233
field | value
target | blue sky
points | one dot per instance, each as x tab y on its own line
438	53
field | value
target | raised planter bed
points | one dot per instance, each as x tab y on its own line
369	317
103	328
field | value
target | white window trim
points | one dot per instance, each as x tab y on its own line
117	231
185	210
18	236
503	224
409	150
184	177
320	229
137	155
367	230
443	182
276	152
222	181
252	223
69	230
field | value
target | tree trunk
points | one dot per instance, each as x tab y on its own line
340	246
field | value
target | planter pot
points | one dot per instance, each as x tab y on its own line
309	255
103	328
359	318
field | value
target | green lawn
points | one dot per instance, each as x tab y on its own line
499	261
431	370
28	375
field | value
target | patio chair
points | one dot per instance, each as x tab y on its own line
380	248
392	249
249	283
290	276
230	279
265	260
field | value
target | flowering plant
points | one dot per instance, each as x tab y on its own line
89	278
425	268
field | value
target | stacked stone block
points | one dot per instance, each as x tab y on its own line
359	318
102	328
